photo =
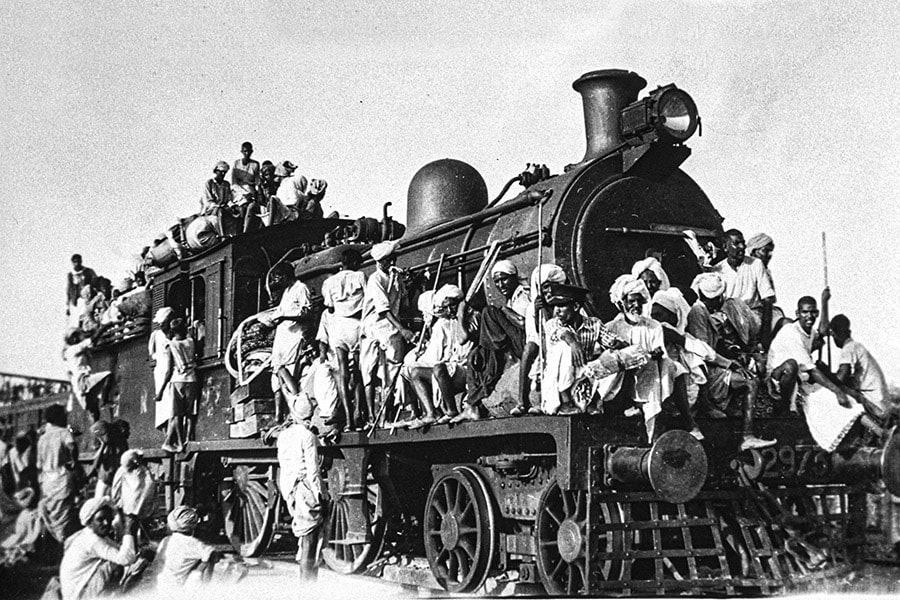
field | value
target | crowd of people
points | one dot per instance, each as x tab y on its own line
261	194
712	358
103	542
93	309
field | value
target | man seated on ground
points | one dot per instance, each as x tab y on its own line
859	371
383	335
502	331
536	316
217	192
442	364
185	560
90	564
343	295
571	340
829	411
747	279
696	359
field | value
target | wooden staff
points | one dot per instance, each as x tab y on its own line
825	269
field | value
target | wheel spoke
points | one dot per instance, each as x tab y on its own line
460	494
548	511
464	563
557	568
468	547
567	509
570	587
448	494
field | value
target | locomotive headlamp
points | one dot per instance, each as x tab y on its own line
667	114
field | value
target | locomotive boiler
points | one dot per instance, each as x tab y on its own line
569	505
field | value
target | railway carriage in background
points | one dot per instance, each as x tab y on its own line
576	504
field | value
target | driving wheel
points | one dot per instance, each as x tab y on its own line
460	528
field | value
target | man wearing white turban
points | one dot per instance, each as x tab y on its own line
300	483
650	271
654	381
747	279
89	564
697	360
502	332
157	348
442	364
536	316
382	344
186	561
761	246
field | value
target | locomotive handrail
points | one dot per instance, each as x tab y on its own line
428	236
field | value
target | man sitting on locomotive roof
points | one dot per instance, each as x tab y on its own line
383	335
303	196
502	330
217	192
536	316
343	294
713	373
747	279
293	328
442	364
571	341
859	371
830	412
245	174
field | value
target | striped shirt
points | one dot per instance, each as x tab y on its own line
592	335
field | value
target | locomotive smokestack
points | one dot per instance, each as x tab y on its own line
604	94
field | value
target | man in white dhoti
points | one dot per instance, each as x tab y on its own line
384	336
301	484
655	380
57	457
442	364
536	315
157	348
293	329
829	411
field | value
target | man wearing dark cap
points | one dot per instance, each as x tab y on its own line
571	340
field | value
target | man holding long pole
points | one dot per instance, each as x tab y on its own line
383	333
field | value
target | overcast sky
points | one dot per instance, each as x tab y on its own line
115	113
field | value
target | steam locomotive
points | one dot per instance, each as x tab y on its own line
575	505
